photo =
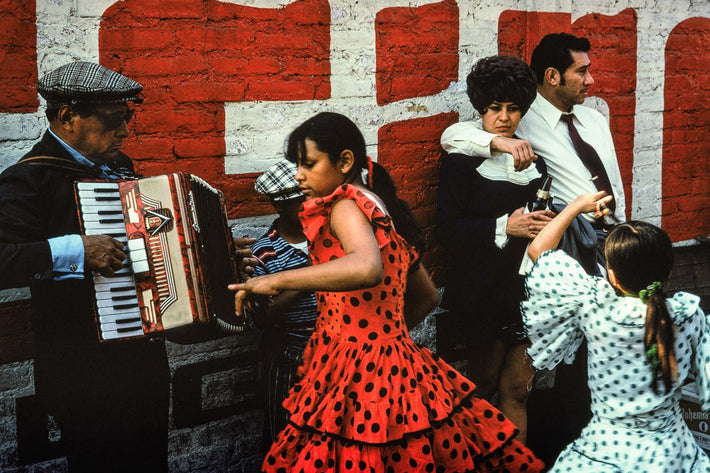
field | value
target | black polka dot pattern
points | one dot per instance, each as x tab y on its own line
371	400
633	429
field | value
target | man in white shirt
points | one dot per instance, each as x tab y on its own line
561	64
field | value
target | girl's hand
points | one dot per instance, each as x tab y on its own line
551	235
266	285
593	202
527	225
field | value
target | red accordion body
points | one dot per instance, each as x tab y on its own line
180	253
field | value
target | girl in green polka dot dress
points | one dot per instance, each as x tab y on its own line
643	346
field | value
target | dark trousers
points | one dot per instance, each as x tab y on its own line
278	375
556	416
110	403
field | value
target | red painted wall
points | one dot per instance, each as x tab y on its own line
194	55
18	56
411	152
417	50
417	56
686	131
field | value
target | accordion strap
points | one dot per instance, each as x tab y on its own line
58	163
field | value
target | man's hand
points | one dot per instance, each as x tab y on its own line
246	260
103	254
527	225
521	150
594	202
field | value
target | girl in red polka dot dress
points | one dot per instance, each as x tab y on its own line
368	398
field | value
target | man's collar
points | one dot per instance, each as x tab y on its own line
549	112
78	157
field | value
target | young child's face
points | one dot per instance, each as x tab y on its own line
316	175
288	208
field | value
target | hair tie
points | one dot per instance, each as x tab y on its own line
369	172
652	356
653	288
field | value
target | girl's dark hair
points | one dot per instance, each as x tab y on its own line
640	254
333	133
501	79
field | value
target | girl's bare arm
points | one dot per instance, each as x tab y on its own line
549	237
359	268
420	298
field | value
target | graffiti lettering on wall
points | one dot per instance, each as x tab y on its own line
225	83
234	377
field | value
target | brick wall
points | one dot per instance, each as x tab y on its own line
686	185
226	82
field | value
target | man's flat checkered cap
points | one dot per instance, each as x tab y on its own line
279	182
87	82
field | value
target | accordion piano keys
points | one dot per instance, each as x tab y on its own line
138	256
180	254
117	307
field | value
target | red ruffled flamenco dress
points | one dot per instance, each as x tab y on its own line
370	399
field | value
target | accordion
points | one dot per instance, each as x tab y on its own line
180	254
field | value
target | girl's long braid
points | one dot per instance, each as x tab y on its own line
404	220
659	342
641	256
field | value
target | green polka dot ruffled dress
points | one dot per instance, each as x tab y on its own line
632	428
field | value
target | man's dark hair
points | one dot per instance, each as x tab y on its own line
501	79
554	50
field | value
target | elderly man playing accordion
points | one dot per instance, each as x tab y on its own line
110	400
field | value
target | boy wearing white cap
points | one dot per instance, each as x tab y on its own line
289	318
